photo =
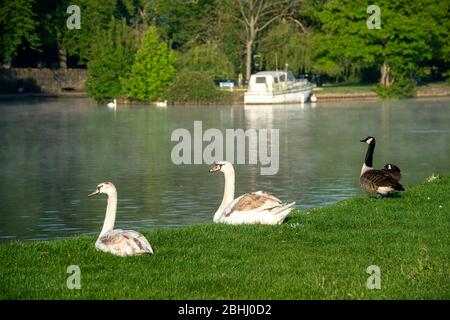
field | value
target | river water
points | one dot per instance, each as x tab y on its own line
53	152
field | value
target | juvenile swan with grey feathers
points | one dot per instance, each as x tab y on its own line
118	242
254	207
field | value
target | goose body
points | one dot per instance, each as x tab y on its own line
253	207
118	242
112	104
393	171
376	181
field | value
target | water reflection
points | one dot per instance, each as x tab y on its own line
54	152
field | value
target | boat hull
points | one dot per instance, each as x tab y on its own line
297	96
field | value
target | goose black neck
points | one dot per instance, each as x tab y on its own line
369	154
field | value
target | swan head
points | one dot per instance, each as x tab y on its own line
222	165
368	140
104	187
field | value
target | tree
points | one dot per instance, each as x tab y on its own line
18	27
285	45
111	60
152	70
256	16
402	45
207	57
184	22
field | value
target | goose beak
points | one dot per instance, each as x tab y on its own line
214	168
93	193
363	140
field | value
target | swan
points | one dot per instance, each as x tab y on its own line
118	242
313	98
112	104
254	207
161	103
376	181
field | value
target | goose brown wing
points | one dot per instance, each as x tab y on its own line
374	179
394	171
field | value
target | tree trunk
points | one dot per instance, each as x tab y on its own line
386	79
248	71
62	53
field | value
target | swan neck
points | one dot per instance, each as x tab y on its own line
110	218
228	193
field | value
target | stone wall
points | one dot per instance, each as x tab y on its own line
51	80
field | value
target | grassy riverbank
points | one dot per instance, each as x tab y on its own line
321	253
368	91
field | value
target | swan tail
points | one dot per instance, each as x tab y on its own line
282	212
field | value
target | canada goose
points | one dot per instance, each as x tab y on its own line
393	171
112	104
376	181
254	207
118	242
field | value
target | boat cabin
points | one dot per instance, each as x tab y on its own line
266	81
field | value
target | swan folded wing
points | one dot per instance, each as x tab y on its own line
372	180
124	242
253	202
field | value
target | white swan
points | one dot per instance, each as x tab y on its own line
313	98
118	242
254	207
161	103
112	104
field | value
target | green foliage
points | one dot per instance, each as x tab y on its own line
405	41
286	44
318	253
403	87
152	70
95	18
196	87
112	57
185	23
207	57
18	27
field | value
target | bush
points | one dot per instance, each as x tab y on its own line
196	87
152	70
401	88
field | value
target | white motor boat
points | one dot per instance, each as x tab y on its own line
271	87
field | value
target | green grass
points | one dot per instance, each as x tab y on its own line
321	253
345	89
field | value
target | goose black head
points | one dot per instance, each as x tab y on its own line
368	140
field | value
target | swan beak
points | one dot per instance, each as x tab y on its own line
214	168
93	193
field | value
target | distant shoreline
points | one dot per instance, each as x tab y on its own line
360	93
